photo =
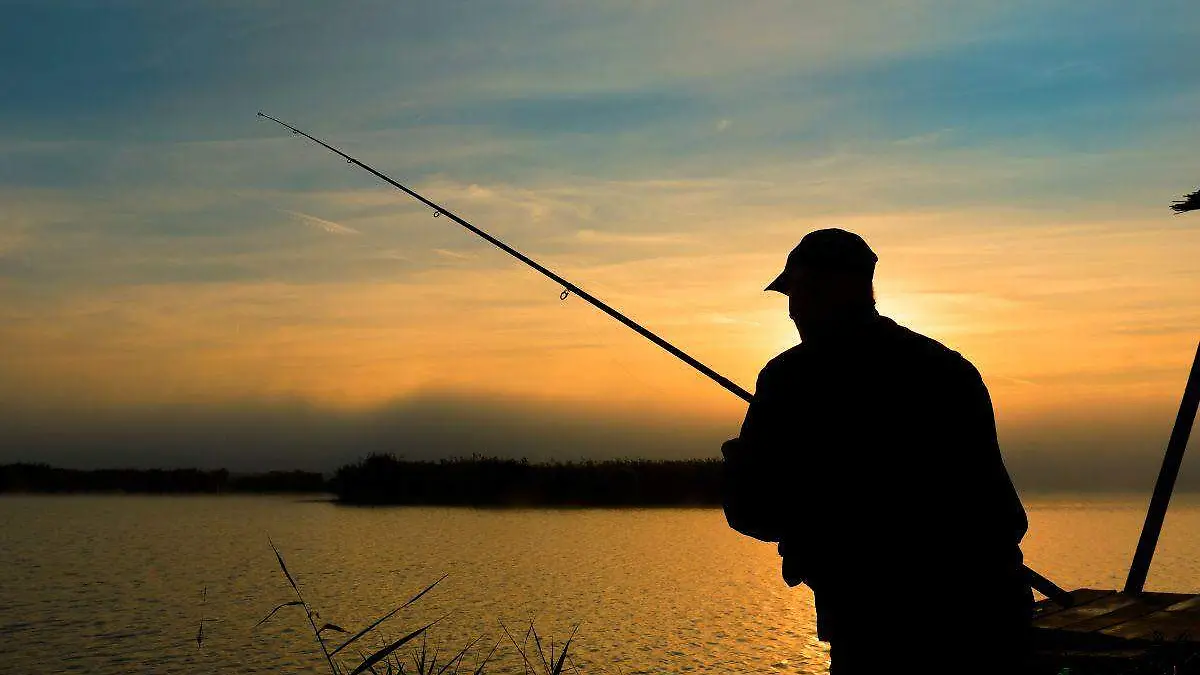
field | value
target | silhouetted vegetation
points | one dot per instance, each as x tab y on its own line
487	481
385	657
1190	202
385	479
44	478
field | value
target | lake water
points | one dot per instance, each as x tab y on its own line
112	584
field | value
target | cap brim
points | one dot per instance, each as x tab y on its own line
780	285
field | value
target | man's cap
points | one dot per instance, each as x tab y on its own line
829	250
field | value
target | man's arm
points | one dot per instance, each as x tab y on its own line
998	510
751	496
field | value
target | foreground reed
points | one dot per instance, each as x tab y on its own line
387	660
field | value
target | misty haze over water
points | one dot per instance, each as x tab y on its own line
1110	453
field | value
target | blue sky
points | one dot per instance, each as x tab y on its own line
1011	162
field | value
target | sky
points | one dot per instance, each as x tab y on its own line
184	283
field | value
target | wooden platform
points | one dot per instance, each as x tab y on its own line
1104	631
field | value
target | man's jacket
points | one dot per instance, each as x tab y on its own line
870	455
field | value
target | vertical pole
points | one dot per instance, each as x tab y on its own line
1166	481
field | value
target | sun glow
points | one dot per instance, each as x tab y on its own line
906	310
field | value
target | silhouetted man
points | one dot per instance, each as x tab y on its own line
869	453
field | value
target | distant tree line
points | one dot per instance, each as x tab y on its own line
386	479
489	481
45	478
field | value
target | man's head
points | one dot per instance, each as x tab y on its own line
828	279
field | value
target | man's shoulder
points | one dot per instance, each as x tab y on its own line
892	342
788	366
926	351
789	357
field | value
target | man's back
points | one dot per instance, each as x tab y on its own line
884	474
869	453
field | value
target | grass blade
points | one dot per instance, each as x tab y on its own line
382	653
332	626
558	665
200	632
479	668
293	603
458	657
385	617
283	567
562	658
519	647
427	589
364	658
309	612
537	641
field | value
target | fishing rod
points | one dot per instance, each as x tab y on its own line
568	287
1037	581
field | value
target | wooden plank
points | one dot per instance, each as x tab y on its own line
1188	604
1092	610
1178	621
1081	596
1144	604
1169	629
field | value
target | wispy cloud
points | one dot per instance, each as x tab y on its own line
322	224
592	236
453	255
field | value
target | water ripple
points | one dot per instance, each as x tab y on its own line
111	585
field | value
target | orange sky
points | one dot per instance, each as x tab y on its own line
1011	165
1058	316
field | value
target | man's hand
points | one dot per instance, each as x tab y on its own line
748	500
